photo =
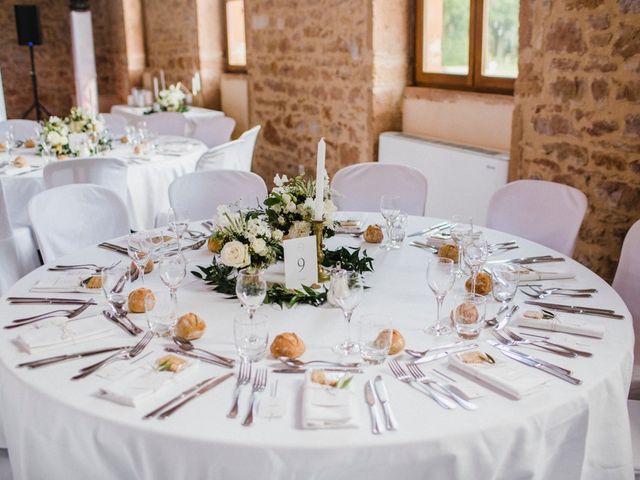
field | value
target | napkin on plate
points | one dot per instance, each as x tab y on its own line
514	379
60	331
564	325
63	283
328	407
136	384
531	275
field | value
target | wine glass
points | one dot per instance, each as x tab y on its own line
346	291
173	270
139	248
505	282
114	280
9	140
474	252
251	288
390	209
460	225
177	226
441	274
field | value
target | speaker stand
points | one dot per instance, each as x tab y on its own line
34	86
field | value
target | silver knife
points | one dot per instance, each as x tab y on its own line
553	366
302	370
532	362
383	397
371	401
436	356
505	320
437	226
560	305
184	394
194	395
61	358
596	312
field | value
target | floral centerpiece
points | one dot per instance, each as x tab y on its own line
172	99
56	131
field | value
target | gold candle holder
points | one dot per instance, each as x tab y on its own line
318	230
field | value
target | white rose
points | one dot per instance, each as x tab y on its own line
235	254
54	138
291	207
259	246
286	198
277	235
299	229
329	211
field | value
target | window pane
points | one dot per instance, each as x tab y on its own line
446	37
236	42
500	38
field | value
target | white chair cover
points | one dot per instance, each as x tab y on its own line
545	212
116	124
214	131
108	172
197	195
359	187
68	218
247	148
225	156
167	123
634	421
18	250
22	129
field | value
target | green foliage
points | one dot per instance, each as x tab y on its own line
349	258
221	277
278	294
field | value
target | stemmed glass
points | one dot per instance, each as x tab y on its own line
173	270
251	289
441	274
505	282
114	280
139	248
460	225
9	140
177	226
390	209
474	251
346	291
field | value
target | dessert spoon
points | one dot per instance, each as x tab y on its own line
294	362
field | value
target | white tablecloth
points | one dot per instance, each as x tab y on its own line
148	180
193	115
58	429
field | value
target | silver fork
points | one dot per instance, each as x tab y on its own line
83	266
72	313
259	384
244	377
121	355
419	375
437	397
511	342
545	294
518	338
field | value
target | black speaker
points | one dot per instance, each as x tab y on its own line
28	24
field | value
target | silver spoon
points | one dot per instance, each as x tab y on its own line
187	346
492	322
420	354
294	362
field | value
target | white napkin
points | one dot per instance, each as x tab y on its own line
10	171
63	283
60	331
174	148
530	275
139	383
564	325
514	379
328	407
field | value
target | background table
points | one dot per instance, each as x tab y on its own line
148	180
135	115
58	429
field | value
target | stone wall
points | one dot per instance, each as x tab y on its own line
53	60
577	115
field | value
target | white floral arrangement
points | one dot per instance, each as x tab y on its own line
172	99
56	131
81	122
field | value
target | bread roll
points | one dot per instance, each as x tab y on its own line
124	139
148	268
29	143
214	245
449	251
287	345
190	326
397	342
373	234
136	300
93	282
484	284
467	313
63	157
20	162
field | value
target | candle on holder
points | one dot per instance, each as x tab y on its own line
163	85
155	87
319	203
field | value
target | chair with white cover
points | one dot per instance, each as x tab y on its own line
116	124
225	156
214	131
250	137
545	212
22	129
72	217
197	195
107	172
166	123
18	249
359	187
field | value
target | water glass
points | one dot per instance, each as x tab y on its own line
346	291
114	280
9	140
399	230
441	274
468	315
474	252
251	289
139	248
173	270
375	335
390	209
160	312
178	226
505	282
251	336
460	225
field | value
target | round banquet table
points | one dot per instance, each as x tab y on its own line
148	178
59	429
193	116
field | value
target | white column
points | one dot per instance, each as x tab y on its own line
3	110
84	62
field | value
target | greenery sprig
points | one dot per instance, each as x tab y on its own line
349	258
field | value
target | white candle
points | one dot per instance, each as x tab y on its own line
198	81
155	87
162	82
319	203
194	86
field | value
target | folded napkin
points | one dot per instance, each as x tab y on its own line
531	275
564	325
174	148
514	379
11	171
63	283
60	331
328	407
138	383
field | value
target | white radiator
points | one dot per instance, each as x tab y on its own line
460	179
